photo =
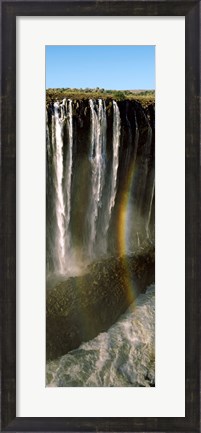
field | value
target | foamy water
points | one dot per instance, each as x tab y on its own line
122	356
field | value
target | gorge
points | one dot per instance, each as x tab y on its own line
100	216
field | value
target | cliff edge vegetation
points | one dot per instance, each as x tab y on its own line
145	97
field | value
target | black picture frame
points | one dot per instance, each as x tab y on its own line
9	11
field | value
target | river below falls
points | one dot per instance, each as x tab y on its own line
123	356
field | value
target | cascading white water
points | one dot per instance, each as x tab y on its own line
62	170
113	176
115	162
47	136
60	204
97	159
69	170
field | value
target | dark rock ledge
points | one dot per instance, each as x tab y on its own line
81	307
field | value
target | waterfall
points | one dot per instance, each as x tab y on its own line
115	162
60	204
62	175
97	160
69	163
90	156
47	137
113	175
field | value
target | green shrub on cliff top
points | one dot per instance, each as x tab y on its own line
120	96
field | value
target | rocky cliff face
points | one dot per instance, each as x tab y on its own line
135	175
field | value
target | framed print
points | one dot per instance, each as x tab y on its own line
87	145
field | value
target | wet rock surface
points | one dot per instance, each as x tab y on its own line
81	307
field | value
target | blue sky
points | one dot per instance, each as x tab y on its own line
108	67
